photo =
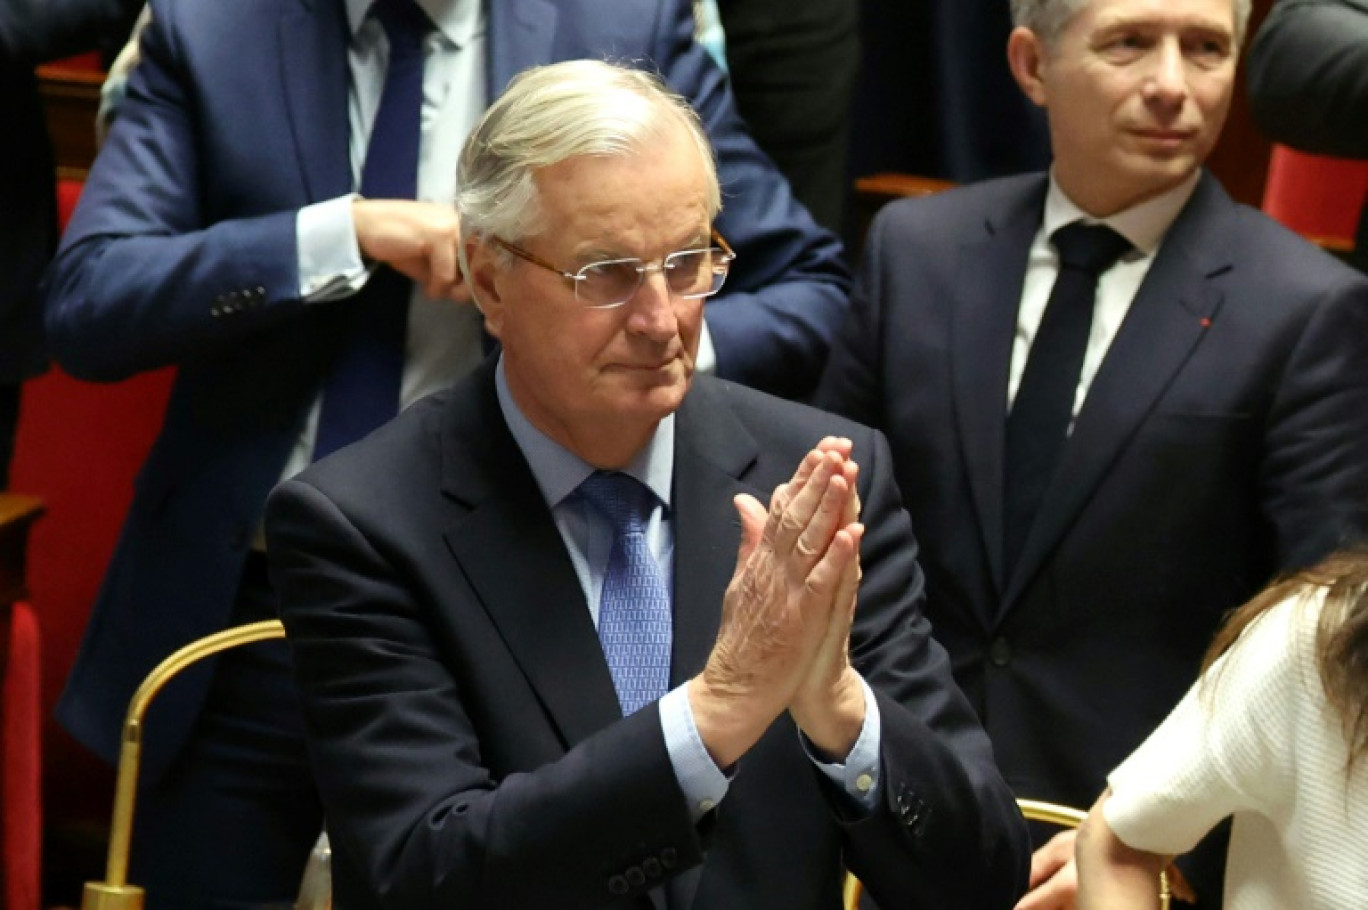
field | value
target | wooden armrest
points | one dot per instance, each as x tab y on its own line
895	186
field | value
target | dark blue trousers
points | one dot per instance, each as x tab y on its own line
231	824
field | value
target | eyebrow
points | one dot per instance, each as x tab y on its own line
701	239
1149	24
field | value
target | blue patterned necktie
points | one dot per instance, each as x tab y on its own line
362	387
635	624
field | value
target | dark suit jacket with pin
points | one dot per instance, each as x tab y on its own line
1224	438
182	251
463	725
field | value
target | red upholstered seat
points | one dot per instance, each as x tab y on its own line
1314	195
20	710
78	448
68	192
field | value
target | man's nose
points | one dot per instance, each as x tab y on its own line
1167	81
653	307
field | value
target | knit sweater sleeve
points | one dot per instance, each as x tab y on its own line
1229	744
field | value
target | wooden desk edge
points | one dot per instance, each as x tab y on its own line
19	508
17	512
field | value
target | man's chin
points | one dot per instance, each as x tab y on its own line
657	396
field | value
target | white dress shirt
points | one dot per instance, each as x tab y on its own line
444	340
1144	225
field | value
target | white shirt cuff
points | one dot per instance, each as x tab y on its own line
330	265
858	775
703	783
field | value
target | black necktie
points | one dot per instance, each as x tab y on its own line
1039	421
362	387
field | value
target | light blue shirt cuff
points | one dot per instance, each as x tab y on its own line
330	265
706	361
858	776
703	783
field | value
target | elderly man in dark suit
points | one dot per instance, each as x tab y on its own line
271	214
553	651
1118	403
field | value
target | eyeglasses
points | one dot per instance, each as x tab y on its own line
611	283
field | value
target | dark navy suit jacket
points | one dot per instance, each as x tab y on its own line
463	726
1224	438
183	252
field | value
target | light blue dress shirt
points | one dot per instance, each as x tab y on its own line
588	539
444	340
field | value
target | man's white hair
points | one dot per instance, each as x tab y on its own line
553	113
1048	18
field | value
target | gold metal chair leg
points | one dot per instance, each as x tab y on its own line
115	893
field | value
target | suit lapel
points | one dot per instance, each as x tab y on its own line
312	40
520	35
989	278
712	451
1168	318
506	542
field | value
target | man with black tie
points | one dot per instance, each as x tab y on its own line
1118	402
553	651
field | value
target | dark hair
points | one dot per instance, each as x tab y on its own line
1341	637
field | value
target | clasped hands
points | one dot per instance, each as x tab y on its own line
419	239
784	640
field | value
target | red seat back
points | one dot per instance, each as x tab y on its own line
79	446
1315	195
21	828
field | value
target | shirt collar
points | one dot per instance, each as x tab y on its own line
1144	225
559	472
458	20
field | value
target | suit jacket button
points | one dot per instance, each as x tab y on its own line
618	885
999	652
651	866
635	877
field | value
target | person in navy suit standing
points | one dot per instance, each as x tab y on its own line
278	171
1119	403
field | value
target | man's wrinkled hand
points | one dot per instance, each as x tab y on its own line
829	705
794	571
419	239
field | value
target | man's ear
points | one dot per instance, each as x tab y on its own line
1026	58
482	273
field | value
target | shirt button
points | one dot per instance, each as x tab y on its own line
864	782
706	805
999	652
